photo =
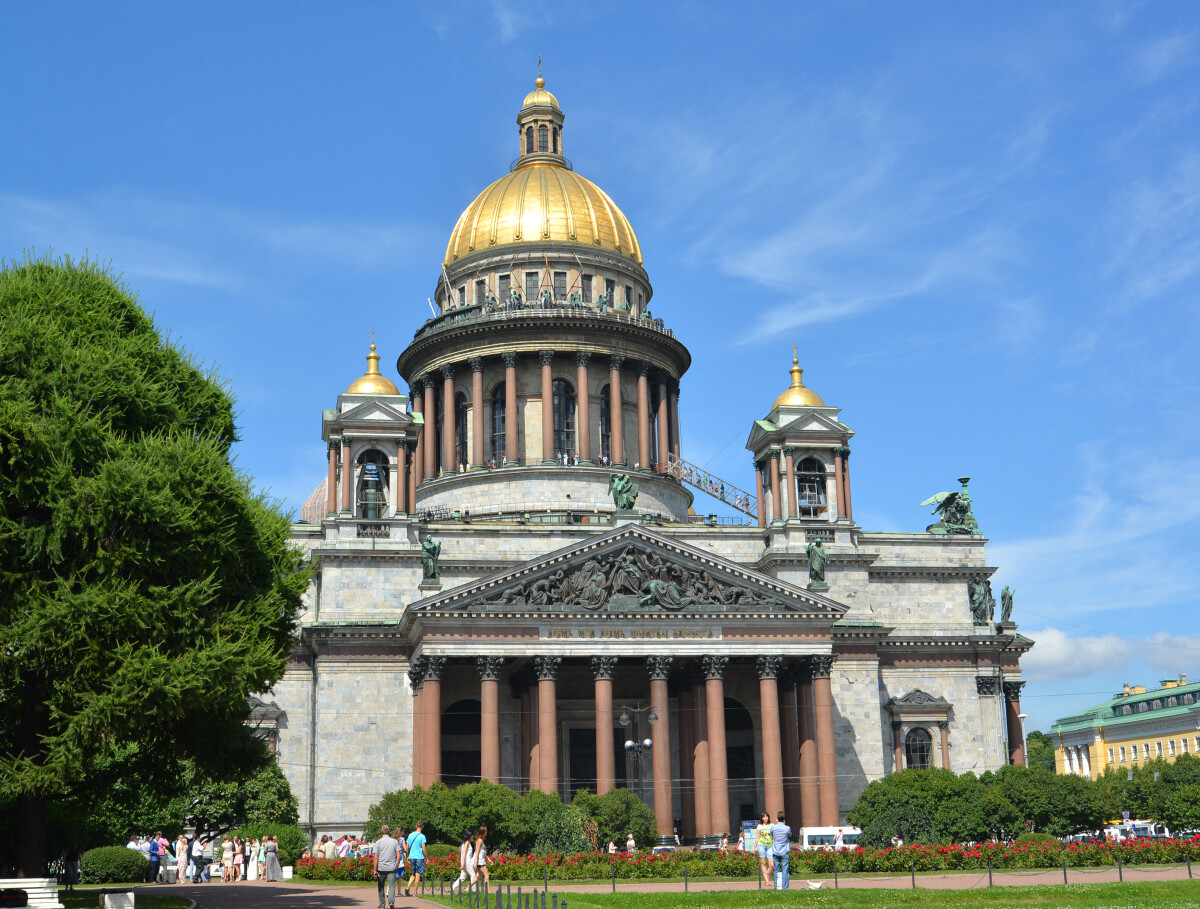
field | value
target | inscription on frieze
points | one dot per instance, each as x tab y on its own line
578	633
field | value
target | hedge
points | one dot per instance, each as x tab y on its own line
113	865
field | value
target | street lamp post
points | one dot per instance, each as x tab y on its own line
637	751
1024	737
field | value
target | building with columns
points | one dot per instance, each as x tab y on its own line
483	609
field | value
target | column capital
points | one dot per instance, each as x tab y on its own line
603	666
774	453
659	667
547	667
768	666
582	357
476	364
714	666
510	359
416	674
987	685
448	371
489	667
1012	689
643	369
897	725
943	726
616	361
822	666
429	381
844	452
414	391
335	444
433	668
546	357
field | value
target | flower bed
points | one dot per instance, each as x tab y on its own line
599	865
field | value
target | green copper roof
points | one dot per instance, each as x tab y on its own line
1103	714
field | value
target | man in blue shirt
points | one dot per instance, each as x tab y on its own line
781	846
416	858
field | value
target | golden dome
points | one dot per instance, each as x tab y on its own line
542	202
796	395
372	382
540	97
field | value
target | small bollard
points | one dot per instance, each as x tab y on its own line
685	878
554	901
1189	861
912	869
1064	870
614	877
989	871
1120	873
545	879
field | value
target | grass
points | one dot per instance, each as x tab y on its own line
88	898
1151	895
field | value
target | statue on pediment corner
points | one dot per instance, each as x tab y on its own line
623	490
1006	604
983	603
431	551
954	508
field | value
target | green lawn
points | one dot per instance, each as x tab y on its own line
1166	894
89	898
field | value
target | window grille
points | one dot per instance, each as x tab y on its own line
543	139
505	289
918	746
564	417
529	140
1122	754
460	430
605	422
560	285
1110	755
499	412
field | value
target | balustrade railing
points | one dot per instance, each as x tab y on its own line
531	313
701	479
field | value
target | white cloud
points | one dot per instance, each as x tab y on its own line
1059	656
1157	58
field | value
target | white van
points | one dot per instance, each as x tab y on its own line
828	837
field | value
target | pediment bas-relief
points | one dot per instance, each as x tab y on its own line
631	579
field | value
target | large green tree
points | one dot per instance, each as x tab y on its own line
145	587
1039	750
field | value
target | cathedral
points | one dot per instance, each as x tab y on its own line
511	582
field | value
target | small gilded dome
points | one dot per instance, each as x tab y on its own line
542	202
539	97
796	395
372	382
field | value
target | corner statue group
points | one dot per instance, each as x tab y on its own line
624	491
955	511
431	551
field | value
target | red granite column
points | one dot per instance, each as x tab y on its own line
511	430
758	489
547	673
700	763
431	705
606	771
846	482
793	492
897	745
347	473
616	417
449	448
776	504
664	424
768	694
331	480
687	764
477	458
401	477
529	756
789	733
714	672
659	668
1016	736
810	788
643	415
418	460
944	729
839	486
826	747
489	726
418	719
430	414
547	358
675	444
583	396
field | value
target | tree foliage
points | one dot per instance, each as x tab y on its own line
145	588
1039	750
618	813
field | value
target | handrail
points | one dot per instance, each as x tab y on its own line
474	314
709	483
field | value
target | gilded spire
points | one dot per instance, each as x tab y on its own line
797	395
372	382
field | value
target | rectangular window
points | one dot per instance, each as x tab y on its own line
531	287
585	287
610	290
1171	748
1158	749
1146	751
560	285
462	295
1198	744
480	292
1110	755
505	289
1122	754
1183	743
629	298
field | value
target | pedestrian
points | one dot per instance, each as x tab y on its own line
226	859
330	848
197	856
612	847
416	858
273	871
630	845
762	834
239	858
71	867
344	847
252	860
181	858
482	858
384	862
155	859
466	863
781	844
262	858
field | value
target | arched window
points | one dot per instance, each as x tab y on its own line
462	724
543	139
554	136
918	746
499	411
564	417
529	140
810	487
605	423
371	492
460	430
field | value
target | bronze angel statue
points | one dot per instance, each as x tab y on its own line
954	509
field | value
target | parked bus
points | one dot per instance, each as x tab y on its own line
828	837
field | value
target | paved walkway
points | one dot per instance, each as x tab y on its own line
289	895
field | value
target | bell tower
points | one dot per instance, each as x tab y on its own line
540	126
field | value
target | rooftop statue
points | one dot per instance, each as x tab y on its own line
983	604
603	302
818	558
514	300
624	491
431	551
546	299
575	300
955	511
1006	603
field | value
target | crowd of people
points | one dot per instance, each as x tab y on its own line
398	856
194	860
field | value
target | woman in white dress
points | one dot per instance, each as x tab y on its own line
252	862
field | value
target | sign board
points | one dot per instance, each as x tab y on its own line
1125	815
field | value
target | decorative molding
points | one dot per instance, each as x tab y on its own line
615	362
546	357
603	666
943	726
433	668
643	369
447	371
416	674
822	666
429	381
768	666
659	667
919	698
582	357
1012	689
714	666
476	364
489	668
510	359
547	667
987	685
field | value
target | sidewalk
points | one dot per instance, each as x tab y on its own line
284	895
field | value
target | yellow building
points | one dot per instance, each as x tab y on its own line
1135	725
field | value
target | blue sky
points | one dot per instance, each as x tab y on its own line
980	224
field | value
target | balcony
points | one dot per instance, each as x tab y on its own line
528	315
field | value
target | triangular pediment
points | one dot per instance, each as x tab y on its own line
808	421
374	412
633	569
919	698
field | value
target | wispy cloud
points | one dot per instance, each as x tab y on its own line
1161	56
1059	656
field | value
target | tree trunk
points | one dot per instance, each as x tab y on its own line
31	808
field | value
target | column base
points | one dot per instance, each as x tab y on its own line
664	841
817	585
512	463
586	463
549	462
430	585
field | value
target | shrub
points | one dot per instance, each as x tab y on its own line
440	850
113	865
1036	838
567	830
292	839
617	814
339	869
